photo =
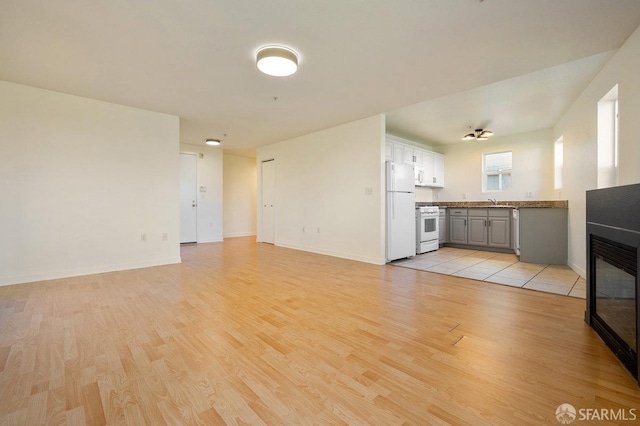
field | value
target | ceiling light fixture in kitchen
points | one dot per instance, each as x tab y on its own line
278	61
212	142
478	134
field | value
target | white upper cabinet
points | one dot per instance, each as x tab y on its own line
388	151
427	169
438	170
428	165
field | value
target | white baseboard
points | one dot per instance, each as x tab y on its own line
577	269
239	234
54	275
342	255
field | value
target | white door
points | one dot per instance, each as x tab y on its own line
188	198
268	201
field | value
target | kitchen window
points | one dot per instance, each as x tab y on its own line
497	171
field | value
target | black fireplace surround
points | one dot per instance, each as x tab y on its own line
613	241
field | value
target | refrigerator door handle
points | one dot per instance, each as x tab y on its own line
393	207
392	181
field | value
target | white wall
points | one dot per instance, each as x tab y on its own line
320	184
81	180
579	130
209	215
532	168
239	196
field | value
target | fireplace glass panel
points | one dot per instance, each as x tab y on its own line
616	300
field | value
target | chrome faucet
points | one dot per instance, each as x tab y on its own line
494	201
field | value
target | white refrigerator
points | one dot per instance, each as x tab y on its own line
401	211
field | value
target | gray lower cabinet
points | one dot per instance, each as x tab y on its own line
458	226
477	227
500	231
442	227
543	235
490	228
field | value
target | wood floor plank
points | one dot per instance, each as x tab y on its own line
4	355
249	333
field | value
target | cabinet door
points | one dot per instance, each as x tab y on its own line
458	230
418	155
427	164
388	151
500	232
477	231
408	155
438	170
398	153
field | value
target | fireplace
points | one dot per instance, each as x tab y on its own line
613	239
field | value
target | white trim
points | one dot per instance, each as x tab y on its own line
239	234
577	269
76	272
348	256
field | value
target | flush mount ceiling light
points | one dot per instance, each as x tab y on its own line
278	61
478	134
212	142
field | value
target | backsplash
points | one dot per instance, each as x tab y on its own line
553	204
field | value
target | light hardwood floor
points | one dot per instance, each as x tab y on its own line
248	333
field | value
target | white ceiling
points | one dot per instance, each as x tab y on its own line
521	104
195	59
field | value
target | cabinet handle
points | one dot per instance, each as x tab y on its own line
485	223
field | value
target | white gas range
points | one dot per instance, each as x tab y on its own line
427	233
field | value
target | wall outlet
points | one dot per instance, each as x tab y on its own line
528	194
143	237
464	196
318	230
368	191
165	237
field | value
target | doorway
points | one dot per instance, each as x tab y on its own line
268	190
188	198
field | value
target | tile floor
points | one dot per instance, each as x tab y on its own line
499	268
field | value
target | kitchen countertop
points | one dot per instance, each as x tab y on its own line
541	204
